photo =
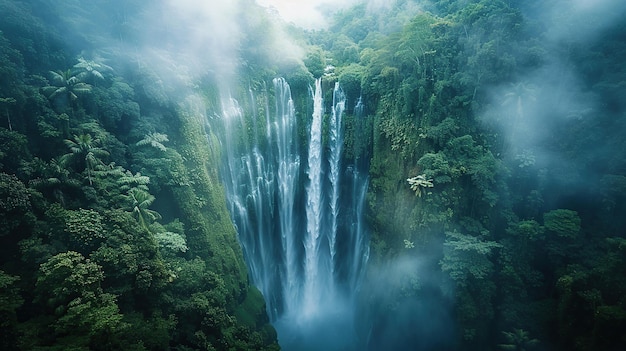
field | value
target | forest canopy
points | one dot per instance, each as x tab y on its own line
491	132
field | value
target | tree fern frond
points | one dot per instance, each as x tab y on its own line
419	182
155	140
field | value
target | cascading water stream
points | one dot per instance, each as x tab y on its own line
288	176
336	144
300	225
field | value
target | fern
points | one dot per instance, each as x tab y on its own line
419	182
155	140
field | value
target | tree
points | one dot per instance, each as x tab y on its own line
563	223
86	69
315	62
13	150
130	181
10	301
51	178
84	150
467	257
65	87
85	229
65	277
69	285
518	340
6	102
15	206
518	95
155	140
141	200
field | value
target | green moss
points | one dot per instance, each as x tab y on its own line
210	234
252	310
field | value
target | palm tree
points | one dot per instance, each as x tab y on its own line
515	100
65	87
85	150
519	94
90	69
141	200
51	177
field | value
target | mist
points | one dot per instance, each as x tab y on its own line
317	14
556	124
407	308
556	97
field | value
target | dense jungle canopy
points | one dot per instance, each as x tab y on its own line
492	132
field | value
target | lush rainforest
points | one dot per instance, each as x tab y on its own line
492	132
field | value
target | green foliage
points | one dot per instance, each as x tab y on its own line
129	181
13	149
10	298
155	140
526	230
172	242
114	105
115	289
419	182
466	257
87	69
65	88
518	340
84	152
69	285
437	167
315	62
141	200
10	301
563	223
65	277
14	203
350	78
85	229
401	135
129	256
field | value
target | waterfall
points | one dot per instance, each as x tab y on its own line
288	173
314	208
300	224
336	143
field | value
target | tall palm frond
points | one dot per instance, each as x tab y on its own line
85	150
141	200
87	68
65	84
518	95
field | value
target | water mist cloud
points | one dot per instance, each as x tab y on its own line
189	38
544	101
580	20
408	310
309	14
